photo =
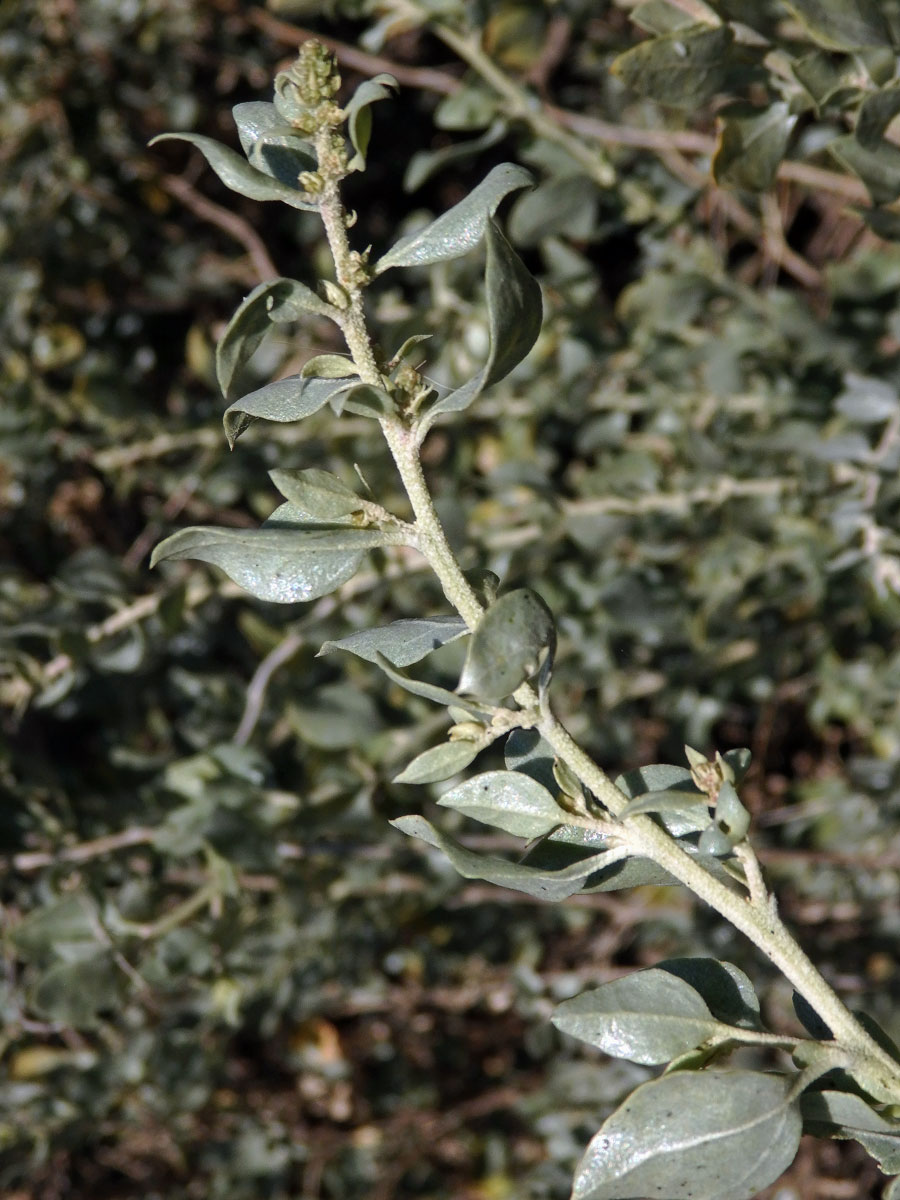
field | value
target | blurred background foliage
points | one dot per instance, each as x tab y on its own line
224	975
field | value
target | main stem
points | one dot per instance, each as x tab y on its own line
756	918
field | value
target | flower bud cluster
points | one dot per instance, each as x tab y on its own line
304	92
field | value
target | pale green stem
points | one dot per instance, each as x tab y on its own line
432	539
755	916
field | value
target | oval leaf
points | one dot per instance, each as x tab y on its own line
320	494
237	174
515	312
507	800
289	399
283	566
402	643
725	988
683	69
507	644
704	1135
459	229
438	763
648	1017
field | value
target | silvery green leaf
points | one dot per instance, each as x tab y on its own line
289	399
438	763
667	777
548	885
526	751
415	339
255	118
669	800
328	366
515	311
845	1115
507	800
402	643
462	227
647	1017
277	300
656	777
283	565
725	988
629	872
731	817
707	1135
428	691
715	843
359	115
507	645
237	174
271	145
365	400
320	494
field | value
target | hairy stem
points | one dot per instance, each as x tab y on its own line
755	915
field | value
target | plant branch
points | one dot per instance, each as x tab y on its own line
755	915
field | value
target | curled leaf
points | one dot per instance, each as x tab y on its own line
274	301
285	400
237	174
401	643
507	645
462	227
276	563
515	312
359	115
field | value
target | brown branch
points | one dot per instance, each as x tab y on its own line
427	79
232	224
136	835
608	132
